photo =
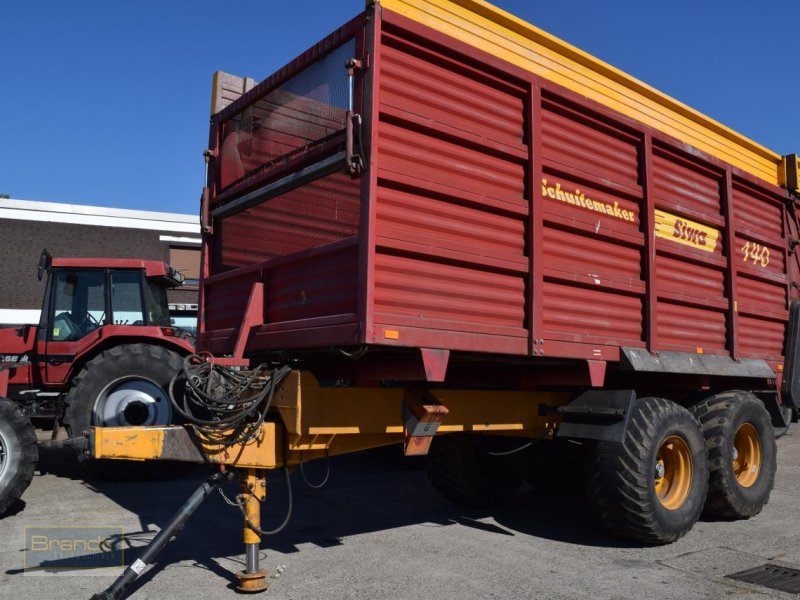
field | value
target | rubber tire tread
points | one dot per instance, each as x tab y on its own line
721	415
157	363
620	475
461	470
24	453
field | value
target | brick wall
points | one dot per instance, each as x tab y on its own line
21	242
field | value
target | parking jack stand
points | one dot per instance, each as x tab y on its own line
254	492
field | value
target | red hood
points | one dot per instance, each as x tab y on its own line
11	342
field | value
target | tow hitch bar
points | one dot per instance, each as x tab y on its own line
131	573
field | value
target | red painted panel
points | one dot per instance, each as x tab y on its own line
686	328
758	214
583	314
759	296
681	276
441	224
601	259
422	82
226	301
321	212
316	286
575	139
448	163
685	187
761	338
422	293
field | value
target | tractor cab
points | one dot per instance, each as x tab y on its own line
84	295
94	311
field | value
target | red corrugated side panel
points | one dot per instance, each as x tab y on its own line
502	214
759	261
302	244
451	261
506	207
592	290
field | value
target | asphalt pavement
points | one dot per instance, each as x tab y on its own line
378	530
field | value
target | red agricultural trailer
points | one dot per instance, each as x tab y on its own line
441	219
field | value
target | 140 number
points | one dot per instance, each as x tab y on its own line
756	253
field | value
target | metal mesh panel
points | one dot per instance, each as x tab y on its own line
308	108
323	211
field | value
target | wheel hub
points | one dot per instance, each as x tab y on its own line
672	475
746	459
4	455
133	401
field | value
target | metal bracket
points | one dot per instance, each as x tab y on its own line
597	415
422	415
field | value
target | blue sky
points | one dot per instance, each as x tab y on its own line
106	103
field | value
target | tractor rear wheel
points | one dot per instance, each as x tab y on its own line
18	453
463	470
742	454
124	385
652	486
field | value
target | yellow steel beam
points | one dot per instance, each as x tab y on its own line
507	37
334	420
309	409
182	444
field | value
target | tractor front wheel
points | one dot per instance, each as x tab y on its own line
18	453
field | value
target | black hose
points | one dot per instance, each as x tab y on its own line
228	406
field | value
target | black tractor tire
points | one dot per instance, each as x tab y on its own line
127	362
462	469
558	467
788	417
18	453
622	477
722	416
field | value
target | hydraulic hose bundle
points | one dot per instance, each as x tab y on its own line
226	404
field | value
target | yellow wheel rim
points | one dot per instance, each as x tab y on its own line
746	455
673	472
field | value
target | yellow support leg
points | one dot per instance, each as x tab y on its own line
254	491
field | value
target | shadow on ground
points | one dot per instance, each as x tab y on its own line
367	492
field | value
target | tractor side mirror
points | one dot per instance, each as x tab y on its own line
45	260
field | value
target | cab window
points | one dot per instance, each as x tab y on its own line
157	304
79	304
126	298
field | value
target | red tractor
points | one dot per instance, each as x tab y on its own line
104	353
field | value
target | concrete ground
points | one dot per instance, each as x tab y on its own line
377	530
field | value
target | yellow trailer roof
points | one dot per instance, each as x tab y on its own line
505	36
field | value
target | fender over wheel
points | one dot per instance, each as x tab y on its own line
651	487
742	453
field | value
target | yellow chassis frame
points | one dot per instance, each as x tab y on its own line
312	421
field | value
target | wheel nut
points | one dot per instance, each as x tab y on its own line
659	470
